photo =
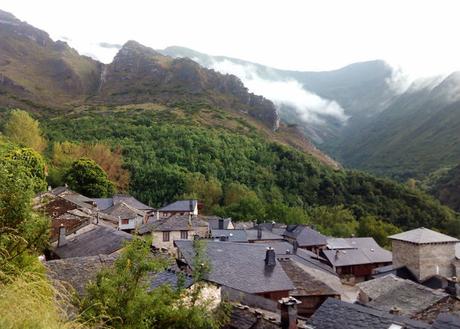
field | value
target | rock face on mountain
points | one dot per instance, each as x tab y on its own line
35	69
139	74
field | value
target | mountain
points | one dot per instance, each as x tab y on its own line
359	90
42	75
447	188
365	117
185	131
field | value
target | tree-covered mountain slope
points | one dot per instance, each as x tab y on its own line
41	75
186	131
390	129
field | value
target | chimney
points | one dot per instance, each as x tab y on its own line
49	188
295	245
259	232
336	254
62	241
395	311
270	257
221	223
452	286
158	214
288	306
97	219
191	205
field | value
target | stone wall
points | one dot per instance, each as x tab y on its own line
425	260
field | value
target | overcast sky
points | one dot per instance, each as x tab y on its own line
421	36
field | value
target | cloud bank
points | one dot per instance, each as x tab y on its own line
309	106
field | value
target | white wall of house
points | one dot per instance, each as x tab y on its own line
130	224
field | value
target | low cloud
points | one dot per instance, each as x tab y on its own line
310	107
109	45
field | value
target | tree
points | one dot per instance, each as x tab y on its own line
334	221
120	297
65	153
86	177
378	229
22	231
208	191
22	129
32	163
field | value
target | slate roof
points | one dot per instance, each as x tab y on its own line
105	203
77	271
409	297
231	235
266	235
124	211
302	256
240	266
338	243
309	281
178	223
170	277
423	235
95	240
335	314
214	222
242	318
305	236
446	321
355	251
179	206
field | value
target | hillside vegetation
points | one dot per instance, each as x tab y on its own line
171	153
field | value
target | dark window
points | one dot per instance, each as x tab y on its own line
165	236
184	235
125	221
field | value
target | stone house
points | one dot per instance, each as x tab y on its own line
425	253
128	217
181	208
354	259
177	227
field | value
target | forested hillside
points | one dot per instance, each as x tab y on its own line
236	171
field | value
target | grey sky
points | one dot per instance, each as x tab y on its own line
421	36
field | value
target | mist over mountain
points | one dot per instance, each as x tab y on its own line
368	115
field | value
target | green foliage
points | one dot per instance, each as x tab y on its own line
379	230
22	231
119	297
208	191
260	179
88	178
33	163
334	221
23	130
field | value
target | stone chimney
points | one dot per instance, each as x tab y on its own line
295	245
259	232
221	223
270	257
62	241
395	311
288	306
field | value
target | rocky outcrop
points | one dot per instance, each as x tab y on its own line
139	74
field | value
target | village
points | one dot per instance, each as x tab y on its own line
274	275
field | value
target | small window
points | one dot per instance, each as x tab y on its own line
125	221
165	236
184	235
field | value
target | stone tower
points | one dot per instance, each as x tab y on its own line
424	252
